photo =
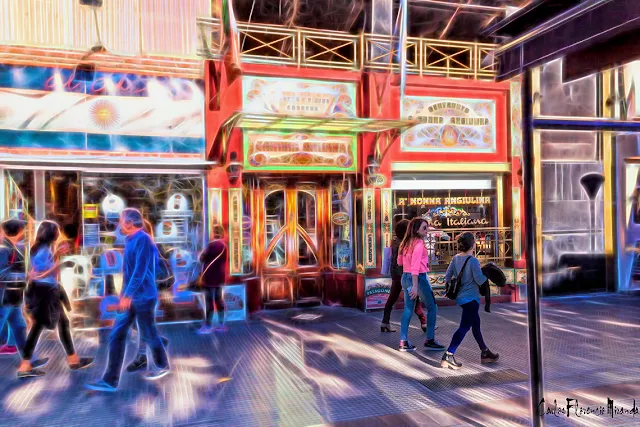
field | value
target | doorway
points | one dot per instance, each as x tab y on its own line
290	239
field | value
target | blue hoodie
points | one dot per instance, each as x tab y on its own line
140	260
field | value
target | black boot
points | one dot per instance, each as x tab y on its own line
139	363
448	361
488	357
385	327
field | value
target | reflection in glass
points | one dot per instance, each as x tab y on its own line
341	219
306	256
275	221
307	213
575	99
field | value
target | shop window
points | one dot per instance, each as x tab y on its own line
572	99
20	191
275	229
341	225
62	205
172	205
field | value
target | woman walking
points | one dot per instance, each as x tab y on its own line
45	299
413	258
396	281
467	268
213	261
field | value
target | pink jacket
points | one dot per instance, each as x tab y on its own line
414	260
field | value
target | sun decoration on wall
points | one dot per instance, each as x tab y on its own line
104	114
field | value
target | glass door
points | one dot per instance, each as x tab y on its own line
291	250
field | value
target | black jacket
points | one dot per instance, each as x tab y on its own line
495	274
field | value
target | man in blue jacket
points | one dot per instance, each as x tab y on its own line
137	302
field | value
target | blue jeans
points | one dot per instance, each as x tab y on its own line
144	313
470	320
16	325
426	296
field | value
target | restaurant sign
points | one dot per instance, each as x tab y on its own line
297	97
299	152
376	293
450	125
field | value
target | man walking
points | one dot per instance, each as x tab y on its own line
13	281
138	302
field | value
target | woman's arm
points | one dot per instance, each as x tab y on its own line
416	261
476	271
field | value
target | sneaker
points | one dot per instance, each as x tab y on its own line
433	345
138	364
30	374
40	363
406	346
83	362
448	361
8	350
101	386
152	376
488	357
205	330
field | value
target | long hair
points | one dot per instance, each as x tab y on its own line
48	233
411	234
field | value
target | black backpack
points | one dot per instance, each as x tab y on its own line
164	274
452	287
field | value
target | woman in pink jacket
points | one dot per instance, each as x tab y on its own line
413	257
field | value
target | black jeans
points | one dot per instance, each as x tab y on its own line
64	333
144	313
396	288
470	320
214	301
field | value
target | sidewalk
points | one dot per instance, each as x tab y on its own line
333	366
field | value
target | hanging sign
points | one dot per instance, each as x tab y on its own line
296	97
299	152
386	214
450	124
235	230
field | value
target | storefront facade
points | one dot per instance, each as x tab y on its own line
79	152
319	165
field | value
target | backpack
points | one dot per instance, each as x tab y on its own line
452	287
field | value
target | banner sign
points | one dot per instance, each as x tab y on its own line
215	209
376	293
386	215
299	152
235	231
450	125
369	227
296	97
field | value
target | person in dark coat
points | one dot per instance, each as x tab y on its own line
213	264
46	299
495	274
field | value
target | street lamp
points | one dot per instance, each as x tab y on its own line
591	183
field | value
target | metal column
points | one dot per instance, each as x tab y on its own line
533	285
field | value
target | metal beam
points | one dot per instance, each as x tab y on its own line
454	5
589	23
544	123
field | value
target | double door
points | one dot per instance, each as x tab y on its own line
291	241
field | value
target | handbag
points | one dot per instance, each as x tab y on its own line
452	287
386	262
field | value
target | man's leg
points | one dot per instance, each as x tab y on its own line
18	327
149	334
219	300
117	346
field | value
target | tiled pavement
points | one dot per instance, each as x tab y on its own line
332	365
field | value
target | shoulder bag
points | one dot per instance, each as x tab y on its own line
452	287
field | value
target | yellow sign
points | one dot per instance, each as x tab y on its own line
90	211
369	228
439	201
387	213
235	230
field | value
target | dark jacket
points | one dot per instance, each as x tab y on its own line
12	274
213	262
396	270
495	274
140	260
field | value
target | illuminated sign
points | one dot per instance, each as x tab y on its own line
296	97
449	124
369	228
160	114
438	201
517	225
299	152
516	117
235	230
387	212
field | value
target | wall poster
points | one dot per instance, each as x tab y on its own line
369	223
376	292
235	231
450	125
